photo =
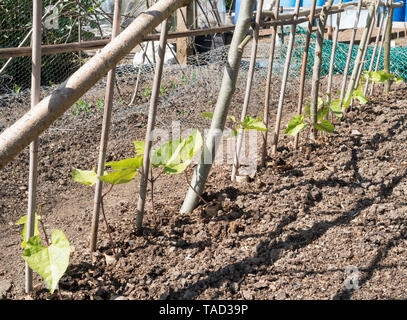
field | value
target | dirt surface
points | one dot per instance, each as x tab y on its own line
295	230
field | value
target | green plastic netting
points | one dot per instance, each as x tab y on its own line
398	56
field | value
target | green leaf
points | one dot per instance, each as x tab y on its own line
23	220
169	152
87	177
176	168
322	113
192	145
49	262
296	125
320	102
336	108
139	147
122	176
176	155
130	163
208	115
233	118
308	109
253	124
324	125
358	94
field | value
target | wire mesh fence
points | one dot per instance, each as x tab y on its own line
82	20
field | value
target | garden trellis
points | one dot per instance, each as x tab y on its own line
45	112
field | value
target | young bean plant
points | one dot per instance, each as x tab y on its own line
49	260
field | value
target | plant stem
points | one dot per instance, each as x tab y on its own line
104	217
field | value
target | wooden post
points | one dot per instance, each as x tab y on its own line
267	96
248	89
150	126
35	98
386	53
381	46
352	41
332	61
362	46
316	72
284	81
369	37
185	20
379	31
220	113
105	132
304	65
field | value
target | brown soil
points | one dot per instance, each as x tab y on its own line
291	232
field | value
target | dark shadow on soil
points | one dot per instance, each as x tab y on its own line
269	251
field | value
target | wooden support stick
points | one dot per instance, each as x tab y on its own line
107	115
386	53
267	96
381	48
369	37
332	61
246	101
372	60
284	81
304	66
362	46
35	98
150	126
316	72
346	70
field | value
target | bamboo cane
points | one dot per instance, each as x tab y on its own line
35	98
362	46
150	126
105	132
284	81
369	37
248	89
381	48
352	41
332	61
267	96
304	66
379	30
386	53
317	66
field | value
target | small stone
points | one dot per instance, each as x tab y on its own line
247	294
242	179
355	133
110	259
281	295
5	286
114	297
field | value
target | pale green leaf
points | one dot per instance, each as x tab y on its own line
296	125
208	115
324	125
87	177
49	262
139	146
23	220
122	176
130	163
